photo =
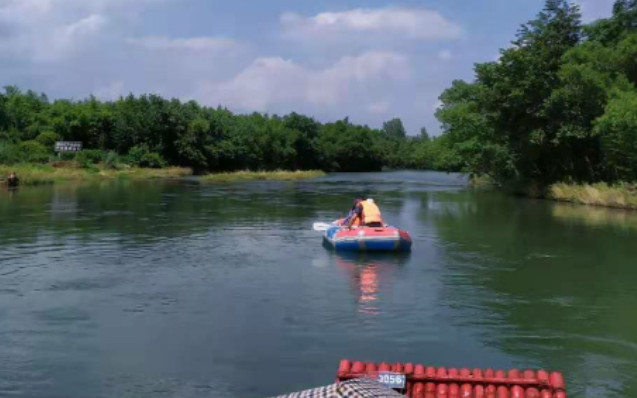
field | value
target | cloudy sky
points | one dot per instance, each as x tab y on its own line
370	60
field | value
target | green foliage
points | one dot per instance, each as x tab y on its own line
48	139
394	129
153	132
86	158
618	129
347	147
424	134
559	105
112	161
142	157
33	151
9	152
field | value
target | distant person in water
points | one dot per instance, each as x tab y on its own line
366	214
13	179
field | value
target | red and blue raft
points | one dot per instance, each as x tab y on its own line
376	239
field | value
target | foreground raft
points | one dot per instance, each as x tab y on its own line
376	239
430	382
359	388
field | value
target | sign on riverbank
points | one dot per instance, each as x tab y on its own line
68	146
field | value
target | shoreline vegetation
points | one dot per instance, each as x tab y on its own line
278	175
619	196
44	174
40	174
555	116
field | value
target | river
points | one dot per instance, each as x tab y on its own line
178	289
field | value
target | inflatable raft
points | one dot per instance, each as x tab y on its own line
356	379
421	381
379	239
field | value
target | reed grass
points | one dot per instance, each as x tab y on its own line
280	175
37	174
621	195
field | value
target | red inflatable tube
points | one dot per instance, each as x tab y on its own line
432	382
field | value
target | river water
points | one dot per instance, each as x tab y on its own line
178	289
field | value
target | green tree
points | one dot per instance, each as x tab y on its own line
192	144
424	134
394	129
618	129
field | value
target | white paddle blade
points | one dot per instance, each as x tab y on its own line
321	226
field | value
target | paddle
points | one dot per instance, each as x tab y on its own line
321	226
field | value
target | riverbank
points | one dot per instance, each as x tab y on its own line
280	175
622	195
38	174
618	196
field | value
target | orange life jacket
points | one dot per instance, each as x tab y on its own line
371	213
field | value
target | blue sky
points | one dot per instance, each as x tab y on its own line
370	60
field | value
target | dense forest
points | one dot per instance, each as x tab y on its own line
151	131
560	104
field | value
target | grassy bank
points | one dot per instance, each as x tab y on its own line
280	175
36	174
622	196
481	181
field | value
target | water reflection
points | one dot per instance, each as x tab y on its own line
534	279
598	217
368	275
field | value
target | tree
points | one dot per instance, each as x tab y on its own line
494	123
191	145
424	135
618	129
394	129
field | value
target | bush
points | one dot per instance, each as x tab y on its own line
135	155
48	139
33	151
153	160
142	157
88	157
9	153
111	161
67	156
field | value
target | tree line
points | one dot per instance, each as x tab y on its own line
151	131
560	104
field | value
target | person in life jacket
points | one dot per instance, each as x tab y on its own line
366	213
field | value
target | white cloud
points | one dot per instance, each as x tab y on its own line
66	38
379	107
90	24
412	23
193	43
48	43
17	8
445	55
437	105
51	30
272	81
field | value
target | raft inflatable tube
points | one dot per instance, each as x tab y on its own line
373	239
